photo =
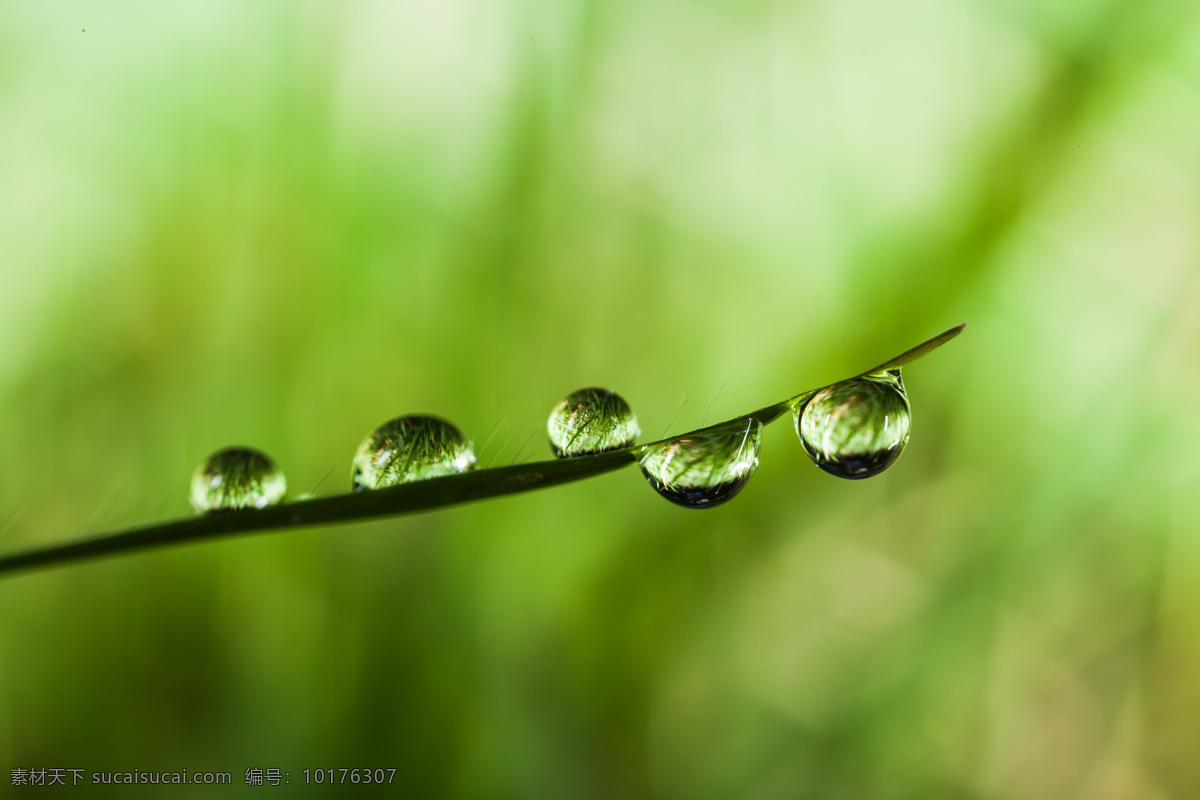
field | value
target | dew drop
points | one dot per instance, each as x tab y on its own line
705	468
411	448
236	477
591	421
857	428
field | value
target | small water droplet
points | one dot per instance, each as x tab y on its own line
857	428
236	477
705	468
411	448
591	421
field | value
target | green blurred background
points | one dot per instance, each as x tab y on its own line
279	224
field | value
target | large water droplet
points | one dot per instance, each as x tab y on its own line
705	468
856	428
591	421
411	448
236	477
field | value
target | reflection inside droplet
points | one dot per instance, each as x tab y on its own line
705	468
857	428
236	477
411	448
591	421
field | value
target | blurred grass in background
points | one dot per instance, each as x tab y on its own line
280	224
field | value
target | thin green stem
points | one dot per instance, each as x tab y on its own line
406	498
913	353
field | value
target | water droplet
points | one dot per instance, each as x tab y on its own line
237	477
411	448
591	421
705	468
856	428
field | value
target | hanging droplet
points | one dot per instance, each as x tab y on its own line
411	448
856	428
591	421
236	477
705	468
